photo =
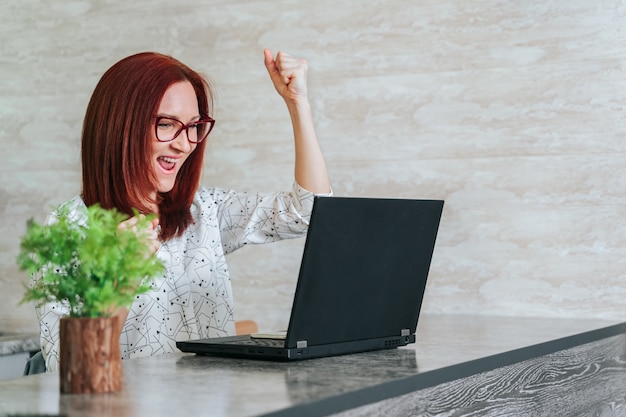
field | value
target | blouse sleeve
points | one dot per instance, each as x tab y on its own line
248	218
49	315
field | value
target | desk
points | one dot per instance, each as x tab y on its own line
481	365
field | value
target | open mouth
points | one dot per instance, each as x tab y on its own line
167	164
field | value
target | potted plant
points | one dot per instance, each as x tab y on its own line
92	267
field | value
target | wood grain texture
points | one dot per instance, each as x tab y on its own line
90	359
589	380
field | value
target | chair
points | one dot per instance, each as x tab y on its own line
35	364
246	327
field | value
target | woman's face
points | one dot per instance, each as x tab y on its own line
179	103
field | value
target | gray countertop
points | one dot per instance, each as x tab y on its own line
11	343
447	347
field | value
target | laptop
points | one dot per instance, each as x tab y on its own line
361	282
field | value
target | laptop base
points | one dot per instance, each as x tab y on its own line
241	347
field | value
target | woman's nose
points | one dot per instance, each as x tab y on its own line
181	142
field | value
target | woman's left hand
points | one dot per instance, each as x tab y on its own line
288	75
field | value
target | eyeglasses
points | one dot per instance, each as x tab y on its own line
168	129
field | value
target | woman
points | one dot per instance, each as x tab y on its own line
143	143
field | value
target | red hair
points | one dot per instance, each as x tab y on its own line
117	135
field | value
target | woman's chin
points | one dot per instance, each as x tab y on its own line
165	187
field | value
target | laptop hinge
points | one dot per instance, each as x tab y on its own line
301	344
405	332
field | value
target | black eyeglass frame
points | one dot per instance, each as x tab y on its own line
205	120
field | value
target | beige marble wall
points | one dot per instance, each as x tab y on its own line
513	112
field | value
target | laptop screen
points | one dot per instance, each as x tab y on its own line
364	269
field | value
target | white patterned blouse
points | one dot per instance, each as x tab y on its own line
193	298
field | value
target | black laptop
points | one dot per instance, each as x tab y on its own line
361	282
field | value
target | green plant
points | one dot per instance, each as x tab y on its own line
93	267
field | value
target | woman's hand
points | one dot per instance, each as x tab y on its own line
150	234
288	74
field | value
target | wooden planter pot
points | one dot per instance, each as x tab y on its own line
90	359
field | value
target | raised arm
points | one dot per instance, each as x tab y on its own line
289	77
